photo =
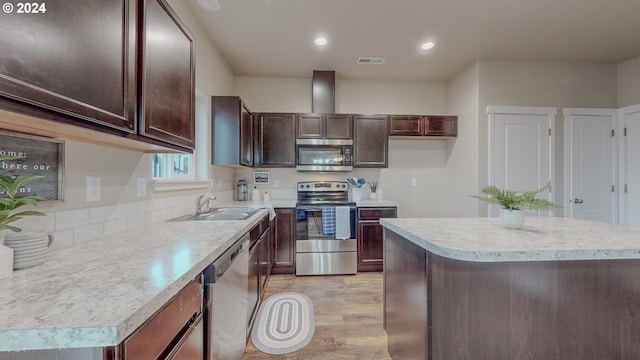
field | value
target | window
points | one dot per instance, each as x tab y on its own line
173	167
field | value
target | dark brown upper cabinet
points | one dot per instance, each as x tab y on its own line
421	125
232	131
168	76
371	141
73	63
276	140
121	68
441	125
325	126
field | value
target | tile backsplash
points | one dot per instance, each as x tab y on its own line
88	224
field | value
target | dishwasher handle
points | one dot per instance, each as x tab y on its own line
235	253
214	271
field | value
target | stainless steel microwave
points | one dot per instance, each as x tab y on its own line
324	155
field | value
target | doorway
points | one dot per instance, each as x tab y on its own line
591	164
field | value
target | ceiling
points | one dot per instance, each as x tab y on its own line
274	38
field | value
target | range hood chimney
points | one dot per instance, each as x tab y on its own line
323	92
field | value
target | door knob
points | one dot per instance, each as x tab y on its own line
578	201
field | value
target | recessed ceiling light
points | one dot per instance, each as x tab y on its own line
427	45
321	41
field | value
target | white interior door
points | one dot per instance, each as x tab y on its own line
630	166
521	150
591	164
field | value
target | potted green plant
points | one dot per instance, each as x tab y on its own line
373	185
511	214
10	202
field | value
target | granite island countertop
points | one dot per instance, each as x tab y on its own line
97	293
540	239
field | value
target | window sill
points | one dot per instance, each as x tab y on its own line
175	185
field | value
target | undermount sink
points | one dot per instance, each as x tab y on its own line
221	214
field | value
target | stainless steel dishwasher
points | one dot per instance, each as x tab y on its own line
225	291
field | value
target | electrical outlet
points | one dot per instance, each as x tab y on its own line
93	188
142	187
414	182
276	183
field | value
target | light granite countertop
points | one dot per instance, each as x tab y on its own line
540	239
97	293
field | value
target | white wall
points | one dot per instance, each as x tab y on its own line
555	84
390	97
463	156
275	94
629	83
423	160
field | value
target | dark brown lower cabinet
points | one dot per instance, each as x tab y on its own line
192	346
370	243
441	308
169	331
284	247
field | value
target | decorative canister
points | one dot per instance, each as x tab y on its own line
242	191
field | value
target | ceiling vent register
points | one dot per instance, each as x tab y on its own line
371	60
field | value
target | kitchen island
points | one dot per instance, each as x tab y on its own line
467	288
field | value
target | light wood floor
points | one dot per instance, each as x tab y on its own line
347	313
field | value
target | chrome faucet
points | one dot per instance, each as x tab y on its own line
203	200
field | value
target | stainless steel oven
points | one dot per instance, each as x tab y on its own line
324	155
325	229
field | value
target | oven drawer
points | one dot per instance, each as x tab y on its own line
310	246
336	263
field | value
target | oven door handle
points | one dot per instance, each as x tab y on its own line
319	208
309	208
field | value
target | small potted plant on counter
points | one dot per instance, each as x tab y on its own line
511	214
10	201
373	185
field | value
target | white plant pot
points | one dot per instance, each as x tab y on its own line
373	196
356	194
6	257
511	219
30	248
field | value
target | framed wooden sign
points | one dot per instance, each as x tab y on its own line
38	156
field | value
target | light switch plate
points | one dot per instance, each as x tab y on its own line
276	183
142	187
93	188
414	182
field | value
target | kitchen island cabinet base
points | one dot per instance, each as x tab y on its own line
580	309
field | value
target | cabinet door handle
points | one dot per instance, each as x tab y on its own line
578	201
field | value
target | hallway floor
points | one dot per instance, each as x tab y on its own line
347	312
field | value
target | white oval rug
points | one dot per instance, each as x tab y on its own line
284	324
